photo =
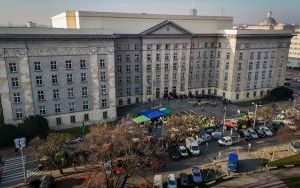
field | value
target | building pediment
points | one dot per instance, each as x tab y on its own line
166	28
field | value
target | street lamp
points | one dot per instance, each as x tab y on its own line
256	106
225	108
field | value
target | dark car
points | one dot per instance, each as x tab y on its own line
185	181
47	181
34	183
260	133
245	134
275	127
174	151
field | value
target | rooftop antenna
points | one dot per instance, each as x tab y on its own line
222	8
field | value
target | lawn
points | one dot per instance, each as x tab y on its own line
76	131
292	182
291	160
257	101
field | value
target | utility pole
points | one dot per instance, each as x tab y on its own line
224	118
256	106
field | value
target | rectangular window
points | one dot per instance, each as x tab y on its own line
167	57
149	69
37	66
136	57
102	76
137	90
119	58
54	79
149	57
258	55
158	57
120	102
86	117
166	67
251	55
19	113
157	67
41	95
12	67
71	106
128	79
137	68
103	90
102	63
136	46
128	91
69	78
73	119
104	103
38	80
85	105
158	46
53	65
57	108
17	98
84	91
127	68
55	94
227	55
42	110
175	56
137	79
58	121
119	69
82	64
105	115
119	80
127	57
83	77
15	82
71	92
149	46
68	64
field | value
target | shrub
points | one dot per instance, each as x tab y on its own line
280	93
35	126
8	133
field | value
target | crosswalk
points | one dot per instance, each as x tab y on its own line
13	170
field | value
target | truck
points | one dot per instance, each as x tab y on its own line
232	163
228	141
192	145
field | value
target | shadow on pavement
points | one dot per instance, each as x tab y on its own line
246	165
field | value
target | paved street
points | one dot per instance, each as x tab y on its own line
13	171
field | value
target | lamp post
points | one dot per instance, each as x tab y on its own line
294	105
256	106
225	108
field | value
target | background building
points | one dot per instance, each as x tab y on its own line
294	53
130	58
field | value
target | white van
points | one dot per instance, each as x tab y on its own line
192	146
158	181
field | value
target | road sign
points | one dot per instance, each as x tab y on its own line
20	142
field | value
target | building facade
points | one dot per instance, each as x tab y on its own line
66	77
294	53
79	75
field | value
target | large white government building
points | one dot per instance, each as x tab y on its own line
89	63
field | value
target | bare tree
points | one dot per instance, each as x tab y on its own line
267	113
120	149
52	149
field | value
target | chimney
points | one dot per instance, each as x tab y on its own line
194	12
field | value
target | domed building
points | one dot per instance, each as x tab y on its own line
269	21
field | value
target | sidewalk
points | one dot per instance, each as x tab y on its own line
247	179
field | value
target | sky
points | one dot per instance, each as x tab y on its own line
18	12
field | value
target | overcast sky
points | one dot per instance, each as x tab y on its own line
17	12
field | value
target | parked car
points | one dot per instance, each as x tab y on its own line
266	130
260	133
275	127
216	135
185	181
174	151
204	137
197	175
295	146
252	133
183	151
47	181
158	181
192	146
35	183
245	134
171	181
226	141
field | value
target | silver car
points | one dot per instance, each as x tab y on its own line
295	146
